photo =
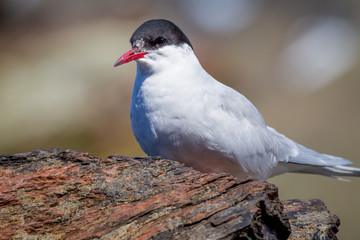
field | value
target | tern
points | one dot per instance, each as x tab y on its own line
180	112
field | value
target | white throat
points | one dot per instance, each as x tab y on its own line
174	59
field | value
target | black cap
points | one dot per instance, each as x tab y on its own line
156	33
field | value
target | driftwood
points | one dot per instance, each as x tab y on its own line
53	194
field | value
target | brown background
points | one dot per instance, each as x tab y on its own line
58	86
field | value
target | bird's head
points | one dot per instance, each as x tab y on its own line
151	37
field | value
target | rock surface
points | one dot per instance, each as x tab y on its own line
53	194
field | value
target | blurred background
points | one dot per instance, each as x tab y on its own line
297	61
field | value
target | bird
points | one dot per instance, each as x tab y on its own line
180	112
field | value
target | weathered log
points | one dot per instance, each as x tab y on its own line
53	194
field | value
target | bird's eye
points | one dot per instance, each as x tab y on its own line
160	41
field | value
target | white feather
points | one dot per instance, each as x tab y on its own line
180	112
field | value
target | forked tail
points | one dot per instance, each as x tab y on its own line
310	161
329	171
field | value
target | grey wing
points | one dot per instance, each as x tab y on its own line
239	130
310	157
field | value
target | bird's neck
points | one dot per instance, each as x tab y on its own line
173	60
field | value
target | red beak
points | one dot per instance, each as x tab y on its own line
129	56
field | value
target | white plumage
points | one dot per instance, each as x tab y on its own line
180	112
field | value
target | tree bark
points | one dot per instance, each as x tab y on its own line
53	194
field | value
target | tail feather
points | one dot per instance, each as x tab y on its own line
311	157
312	162
344	171
329	171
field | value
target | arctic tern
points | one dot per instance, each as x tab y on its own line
180	112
